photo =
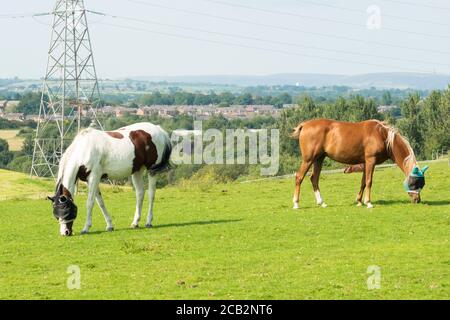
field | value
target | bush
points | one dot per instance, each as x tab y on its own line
22	164
5	155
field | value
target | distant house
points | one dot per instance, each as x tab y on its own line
3	106
118	112
34	117
384	109
6	105
14	116
143	111
203	112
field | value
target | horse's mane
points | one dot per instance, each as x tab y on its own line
410	159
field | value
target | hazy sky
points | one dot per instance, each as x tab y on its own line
163	50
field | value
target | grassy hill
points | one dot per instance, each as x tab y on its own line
15	142
16	185
235	241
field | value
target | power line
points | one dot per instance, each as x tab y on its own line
363	12
15	16
24	15
268	41
262	48
271	26
417	4
318	18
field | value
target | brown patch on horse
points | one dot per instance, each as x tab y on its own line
355	168
83	173
66	193
144	150
115	134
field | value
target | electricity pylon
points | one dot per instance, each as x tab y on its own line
70	92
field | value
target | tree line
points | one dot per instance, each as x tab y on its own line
424	121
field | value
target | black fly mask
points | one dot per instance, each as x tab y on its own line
64	209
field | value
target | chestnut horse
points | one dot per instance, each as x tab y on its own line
365	143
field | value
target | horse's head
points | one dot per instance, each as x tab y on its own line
64	209
415	182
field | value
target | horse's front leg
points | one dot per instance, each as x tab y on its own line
299	176
93	182
151	199
101	204
369	168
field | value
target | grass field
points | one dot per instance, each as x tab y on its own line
236	241
15	143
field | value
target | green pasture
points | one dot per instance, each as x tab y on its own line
233	241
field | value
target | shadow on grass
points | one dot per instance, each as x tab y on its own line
437	202
169	225
390	202
406	201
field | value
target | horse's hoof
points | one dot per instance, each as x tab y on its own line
295	205
323	205
148	225
84	231
359	204
134	226
109	229
369	205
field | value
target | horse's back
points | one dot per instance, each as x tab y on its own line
121	152
346	142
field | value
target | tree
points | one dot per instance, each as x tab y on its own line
30	103
282	99
412	124
436	122
386	99
244	99
5	155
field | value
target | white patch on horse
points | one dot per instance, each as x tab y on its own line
319	199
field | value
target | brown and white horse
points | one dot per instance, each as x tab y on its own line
363	145
95	154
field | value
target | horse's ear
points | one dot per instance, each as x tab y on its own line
425	169
416	170
52	199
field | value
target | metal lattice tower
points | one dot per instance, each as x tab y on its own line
70	93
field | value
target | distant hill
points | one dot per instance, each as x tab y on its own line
378	80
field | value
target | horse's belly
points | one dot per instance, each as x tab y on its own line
118	164
347	153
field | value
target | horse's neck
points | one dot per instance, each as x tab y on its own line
68	172
403	155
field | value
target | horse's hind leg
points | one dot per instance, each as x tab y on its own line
151	199
101	204
361	191
299	176
315	180
138	183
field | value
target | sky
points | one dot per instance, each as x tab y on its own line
239	37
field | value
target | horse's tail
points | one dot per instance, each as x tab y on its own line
165	159
296	131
